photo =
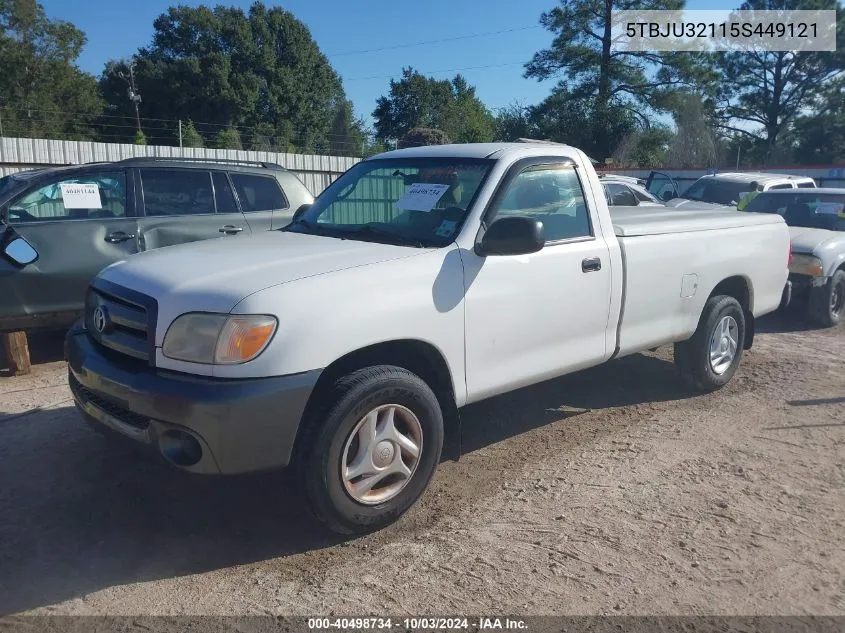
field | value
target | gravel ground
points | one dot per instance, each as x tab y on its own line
612	491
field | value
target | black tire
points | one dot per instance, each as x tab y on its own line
692	357
827	304
320	451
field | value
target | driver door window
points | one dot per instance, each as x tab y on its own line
82	198
551	194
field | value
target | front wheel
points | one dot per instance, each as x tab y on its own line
709	359
827	303
372	452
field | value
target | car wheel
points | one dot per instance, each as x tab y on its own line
372	451
827	304
709	359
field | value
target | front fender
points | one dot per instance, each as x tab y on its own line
326	317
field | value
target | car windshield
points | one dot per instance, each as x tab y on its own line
415	202
716	191
809	210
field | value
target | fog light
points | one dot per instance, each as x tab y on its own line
180	448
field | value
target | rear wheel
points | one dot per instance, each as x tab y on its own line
709	359
827	304
368	457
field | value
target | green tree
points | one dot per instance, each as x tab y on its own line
606	77
348	136
513	122
190	136
42	93
228	138
819	137
565	119
643	149
762	93
419	101
140	138
422	136
695	143
259	69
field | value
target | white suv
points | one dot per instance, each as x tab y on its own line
725	189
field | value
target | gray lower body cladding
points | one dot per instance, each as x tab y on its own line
223	426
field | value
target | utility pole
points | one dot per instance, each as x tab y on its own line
180	133
134	97
738	147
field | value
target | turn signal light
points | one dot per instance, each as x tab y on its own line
243	338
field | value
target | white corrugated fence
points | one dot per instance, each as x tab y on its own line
17	154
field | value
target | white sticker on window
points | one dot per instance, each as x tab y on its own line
421	196
75	196
829	208
446	228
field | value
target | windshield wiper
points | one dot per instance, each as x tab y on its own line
370	229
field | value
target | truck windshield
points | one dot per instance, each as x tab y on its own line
415	202
716	191
813	211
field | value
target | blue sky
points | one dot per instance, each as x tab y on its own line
341	28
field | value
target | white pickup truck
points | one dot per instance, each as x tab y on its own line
420	281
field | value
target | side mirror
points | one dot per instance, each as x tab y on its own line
516	235
300	212
20	252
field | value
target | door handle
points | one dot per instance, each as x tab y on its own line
119	236
229	229
591	264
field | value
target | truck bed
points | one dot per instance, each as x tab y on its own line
674	259
637	221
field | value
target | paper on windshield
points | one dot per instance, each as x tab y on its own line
76	196
446	228
421	196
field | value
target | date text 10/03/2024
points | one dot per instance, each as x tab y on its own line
417	624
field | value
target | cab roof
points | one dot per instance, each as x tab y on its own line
749	176
477	150
806	192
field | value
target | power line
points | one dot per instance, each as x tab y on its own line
440	41
90	121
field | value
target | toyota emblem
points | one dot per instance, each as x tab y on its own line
100	319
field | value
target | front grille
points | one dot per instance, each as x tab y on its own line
117	322
116	411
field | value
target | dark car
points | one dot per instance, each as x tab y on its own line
82	218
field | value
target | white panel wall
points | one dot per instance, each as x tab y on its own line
17	154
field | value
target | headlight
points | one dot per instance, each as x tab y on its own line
806	265
218	339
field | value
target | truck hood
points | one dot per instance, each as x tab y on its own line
806	240
214	275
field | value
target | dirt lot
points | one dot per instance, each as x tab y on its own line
611	491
